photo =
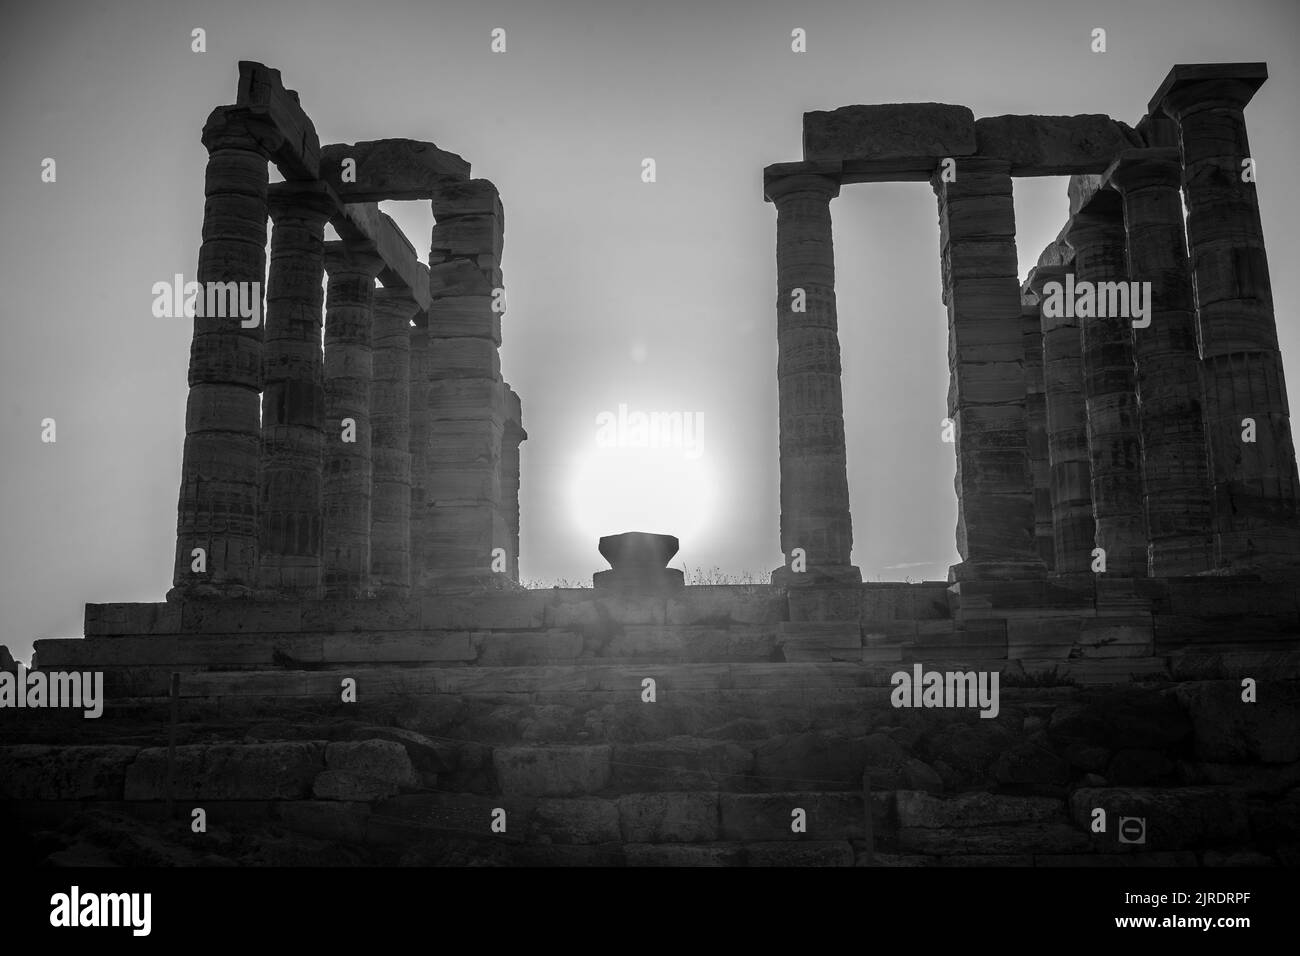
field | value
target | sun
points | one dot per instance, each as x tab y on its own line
658	490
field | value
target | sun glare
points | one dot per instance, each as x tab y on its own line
659	490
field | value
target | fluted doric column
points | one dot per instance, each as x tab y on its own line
1073	529
1036	430
352	268
986	394
1257	521
293	399
1175	458
462	526
217	507
390	408
511	439
418	445
815	514
1096	234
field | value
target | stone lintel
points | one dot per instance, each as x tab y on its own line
364	221
391	169
899	131
778	173
1184	75
298	158
1157	130
906	169
1132	164
260	87
1053	145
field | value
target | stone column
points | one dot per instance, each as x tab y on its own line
986	394
217	507
1036	427
352	269
1175	459
1255	483
293	398
814	474
510	442
462	525
390	407
1073	529
419	443
1096	233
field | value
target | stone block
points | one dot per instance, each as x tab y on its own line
386	169
241	617
769	816
1228	730
1054	145
512	650
382	765
823	761
668	817
552	770
821	641
993	840
583	820
38	772
275	771
680	763
894	131
922	810
111	620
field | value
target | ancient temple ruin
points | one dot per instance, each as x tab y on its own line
377	703
307	470
1163	441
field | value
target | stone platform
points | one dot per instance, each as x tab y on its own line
1119	694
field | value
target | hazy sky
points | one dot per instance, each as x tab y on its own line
658	296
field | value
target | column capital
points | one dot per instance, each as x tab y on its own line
1039	276
396	302
787	179
1190	87
1139	168
360	257
293	200
242	127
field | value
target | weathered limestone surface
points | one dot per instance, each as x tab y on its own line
462	514
511	439
348	372
1096	230
1067	430
1053	145
390	169
814	477
1036	431
1176	477
889	133
986	396
217	510
1255	483
293	398
390	398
